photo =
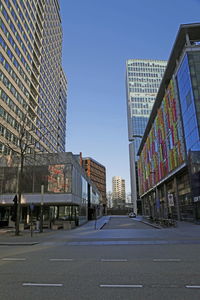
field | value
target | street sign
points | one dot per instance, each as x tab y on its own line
171	199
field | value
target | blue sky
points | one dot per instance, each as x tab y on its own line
98	38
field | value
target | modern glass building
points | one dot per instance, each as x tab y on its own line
54	181
143	78
169	163
33	91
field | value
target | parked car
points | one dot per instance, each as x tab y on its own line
132	215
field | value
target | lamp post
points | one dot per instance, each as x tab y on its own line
41	208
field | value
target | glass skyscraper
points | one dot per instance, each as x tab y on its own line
33	91
143	78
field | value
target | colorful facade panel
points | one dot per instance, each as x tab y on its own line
164	149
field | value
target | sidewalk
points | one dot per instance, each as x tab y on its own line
7	235
182	226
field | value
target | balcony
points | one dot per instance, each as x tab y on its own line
34	92
37	51
34	80
36	60
37	40
39	22
39	31
32	102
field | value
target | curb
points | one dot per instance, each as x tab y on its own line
152	225
18	244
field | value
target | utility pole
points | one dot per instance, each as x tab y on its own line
41	208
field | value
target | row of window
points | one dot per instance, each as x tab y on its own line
147	70
141	111
30	9
13	122
161	64
12	42
18	67
153	74
48	90
4	149
7	117
12	89
12	57
9	135
50	78
20	27
141	105
143	99
142	90
21	15
15	77
143	79
6	99
51	137
145	85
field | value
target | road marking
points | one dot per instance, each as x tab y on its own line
42	284
60	259
121	285
193	286
11	259
167	259
113	260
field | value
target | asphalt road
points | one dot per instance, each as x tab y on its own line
126	259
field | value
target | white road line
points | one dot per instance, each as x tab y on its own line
42	284
192	286
167	259
13	259
113	260
121	285
60	259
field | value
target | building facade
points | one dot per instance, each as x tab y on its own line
97	174
143	78
55	181
33	92
118	192
169	163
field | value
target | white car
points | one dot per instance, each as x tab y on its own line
132	215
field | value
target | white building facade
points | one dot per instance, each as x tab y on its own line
118	192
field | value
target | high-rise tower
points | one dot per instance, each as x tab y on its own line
143	78
33	92
118	192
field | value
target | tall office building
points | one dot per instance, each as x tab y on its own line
33	92
118	192
143	78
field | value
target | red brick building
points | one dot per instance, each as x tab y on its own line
97	174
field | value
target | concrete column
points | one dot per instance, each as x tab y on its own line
133	176
187	39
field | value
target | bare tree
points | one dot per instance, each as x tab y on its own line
26	143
